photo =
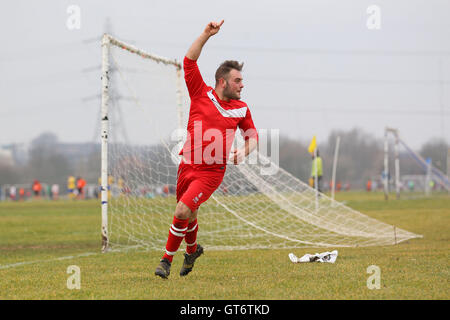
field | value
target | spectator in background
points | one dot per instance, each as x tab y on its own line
49	192
120	185
12	193
21	194
166	190
55	191
374	185
36	187
369	185
317	171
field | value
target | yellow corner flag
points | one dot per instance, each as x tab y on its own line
312	145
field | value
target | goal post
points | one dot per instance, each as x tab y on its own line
107	42
144	103
429	172
104	140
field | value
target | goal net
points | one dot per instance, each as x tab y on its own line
412	173
258	205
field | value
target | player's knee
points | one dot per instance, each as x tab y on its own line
182	211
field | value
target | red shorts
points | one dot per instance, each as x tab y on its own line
196	184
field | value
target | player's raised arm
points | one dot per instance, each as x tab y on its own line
196	48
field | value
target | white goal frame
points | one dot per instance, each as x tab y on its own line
300	219
107	42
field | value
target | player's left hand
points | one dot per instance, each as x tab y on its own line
237	156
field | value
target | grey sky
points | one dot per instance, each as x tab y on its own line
310	66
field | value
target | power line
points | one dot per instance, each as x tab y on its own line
372	110
312	51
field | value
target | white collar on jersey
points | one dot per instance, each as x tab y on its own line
230	113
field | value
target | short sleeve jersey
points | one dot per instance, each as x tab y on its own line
212	122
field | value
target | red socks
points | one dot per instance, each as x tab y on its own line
191	237
176	234
178	230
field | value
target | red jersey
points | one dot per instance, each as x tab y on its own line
212	122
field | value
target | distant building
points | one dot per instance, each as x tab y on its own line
6	157
18	151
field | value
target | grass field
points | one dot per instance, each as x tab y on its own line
40	240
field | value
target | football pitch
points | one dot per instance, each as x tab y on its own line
40	240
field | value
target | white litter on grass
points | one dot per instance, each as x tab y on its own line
329	257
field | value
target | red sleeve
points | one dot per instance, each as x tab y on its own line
193	78
247	127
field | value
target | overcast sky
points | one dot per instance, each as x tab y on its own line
310	66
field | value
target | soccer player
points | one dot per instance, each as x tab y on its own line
37	187
81	183
71	186
215	114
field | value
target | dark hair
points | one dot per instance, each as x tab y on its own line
226	66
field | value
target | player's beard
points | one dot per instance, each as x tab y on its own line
229	94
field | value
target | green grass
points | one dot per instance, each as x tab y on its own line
38	233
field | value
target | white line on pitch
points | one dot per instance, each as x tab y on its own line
18	264
87	254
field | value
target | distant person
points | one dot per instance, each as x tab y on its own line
22	194
120	185
317	171
369	185
36	187
49	192
81	183
375	185
71	187
224	189
166	190
12	193
347	186
432	185
55	191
